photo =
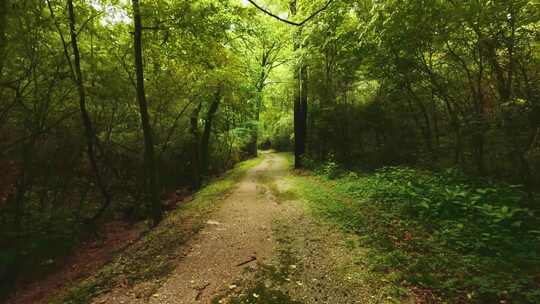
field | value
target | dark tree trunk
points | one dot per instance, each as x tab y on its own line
254	144
301	116
297	137
259	87
530	179
23	187
4	6
196	144
300	102
439	90
205	140
479	125
436	130
425	128
87	121
149	154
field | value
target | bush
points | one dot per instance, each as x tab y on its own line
463	238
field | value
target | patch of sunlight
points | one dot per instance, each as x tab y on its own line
112	13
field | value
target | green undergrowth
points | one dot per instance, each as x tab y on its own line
445	236
152	257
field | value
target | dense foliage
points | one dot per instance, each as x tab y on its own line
73	151
445	234
445	83
108	106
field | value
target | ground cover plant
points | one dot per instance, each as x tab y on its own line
446	235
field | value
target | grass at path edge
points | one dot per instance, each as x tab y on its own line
442	236
152	258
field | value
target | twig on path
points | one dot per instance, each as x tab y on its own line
200	291
251	259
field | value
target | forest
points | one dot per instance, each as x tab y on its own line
409	128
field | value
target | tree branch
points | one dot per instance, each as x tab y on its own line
288	21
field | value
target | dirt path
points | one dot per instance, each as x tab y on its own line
240	232
263	246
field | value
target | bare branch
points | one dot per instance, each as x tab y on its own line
64	43
288	21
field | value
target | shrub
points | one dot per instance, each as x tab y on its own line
466	239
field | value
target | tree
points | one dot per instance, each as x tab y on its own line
151	177
208	120
87	121
300	99
4	6
301	95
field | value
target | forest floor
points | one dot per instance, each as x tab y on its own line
259	242
261	246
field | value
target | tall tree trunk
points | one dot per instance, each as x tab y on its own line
196	144
300	101
479	123
205	140
436	130
87	121
23	187
302	113
425	129
529	177
254	143
152	187
259	87
4	6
